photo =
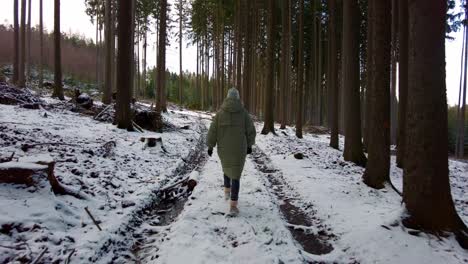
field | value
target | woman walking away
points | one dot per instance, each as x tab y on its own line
234	132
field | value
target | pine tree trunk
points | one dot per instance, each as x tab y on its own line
369	57
22	54
284	82
145	44
180	53
378	163
300	72
124	65
97	51
403	28
246	88
161	68
394	58
287	82
107	94
268	109
353	146
28	43
16	43
461	132
239	46
41	45
58	87
426	188
333	75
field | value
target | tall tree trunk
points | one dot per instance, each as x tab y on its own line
378	163
145	44
16	42
239	46
58	87
403	28
246	86
97	51
180	53
107	94
28	43
161	81
426	188
333	75
462	105
369	57
353	146
124	65
41	45
460	91
284	82
22	55
300	72
269	122
394	58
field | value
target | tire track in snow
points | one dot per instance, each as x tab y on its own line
306	228
204	234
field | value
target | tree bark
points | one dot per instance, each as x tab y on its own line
426	188
22	53
286	63
58	87
269	122
161	65
378	163
353	146
333	75
300	72
107	94
41	45
28	43
284	81
402	81
145	44
180	53
124	65
16	42
394	59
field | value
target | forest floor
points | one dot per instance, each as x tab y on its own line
310	210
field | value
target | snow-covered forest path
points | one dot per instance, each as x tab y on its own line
307	208
204	233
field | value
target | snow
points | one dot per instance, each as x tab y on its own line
207	235
22	165
36	217
355	212
120	180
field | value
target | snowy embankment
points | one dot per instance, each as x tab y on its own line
367	222
109	167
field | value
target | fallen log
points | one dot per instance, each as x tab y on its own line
25	170
26	147
20	172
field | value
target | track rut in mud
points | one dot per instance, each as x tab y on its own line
306	228
162	208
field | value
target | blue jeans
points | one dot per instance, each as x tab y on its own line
234	185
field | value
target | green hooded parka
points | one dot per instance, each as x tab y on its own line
233	131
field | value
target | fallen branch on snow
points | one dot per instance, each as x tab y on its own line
92	218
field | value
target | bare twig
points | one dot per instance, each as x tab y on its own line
92	218
67	261
39	257
102	112
137	127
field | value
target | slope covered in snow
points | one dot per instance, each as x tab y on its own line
109	167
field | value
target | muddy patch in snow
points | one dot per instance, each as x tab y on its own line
306	228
